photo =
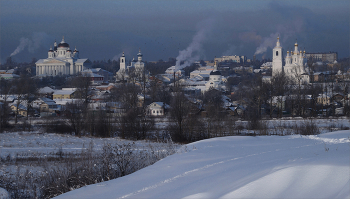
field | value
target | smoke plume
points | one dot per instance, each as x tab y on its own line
267	42
31	44
230	51
192	52
116	57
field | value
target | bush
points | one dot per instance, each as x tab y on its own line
308	127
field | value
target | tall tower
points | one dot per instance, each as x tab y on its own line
122	62
139	56
277	58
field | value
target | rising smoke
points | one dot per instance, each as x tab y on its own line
267	42
116	57
192	52
31	44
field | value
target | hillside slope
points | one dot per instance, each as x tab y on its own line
241	167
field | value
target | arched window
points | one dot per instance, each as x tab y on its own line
276	53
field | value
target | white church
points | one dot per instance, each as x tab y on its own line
137	66
215	80
294	67
61	61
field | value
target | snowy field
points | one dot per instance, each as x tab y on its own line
291	166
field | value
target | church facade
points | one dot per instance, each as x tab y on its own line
294	67
61	61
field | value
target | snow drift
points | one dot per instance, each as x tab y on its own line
241	167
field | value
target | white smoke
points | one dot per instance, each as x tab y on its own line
230	51
31	44
267	42
192	52
116	57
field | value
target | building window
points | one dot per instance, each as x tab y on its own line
276	53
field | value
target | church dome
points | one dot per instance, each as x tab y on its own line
215	72
63	45
139	54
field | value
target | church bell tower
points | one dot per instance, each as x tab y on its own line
277	58
122	62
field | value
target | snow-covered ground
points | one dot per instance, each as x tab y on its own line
241	167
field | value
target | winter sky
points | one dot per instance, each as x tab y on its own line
207	28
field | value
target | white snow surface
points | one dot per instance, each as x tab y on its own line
240	167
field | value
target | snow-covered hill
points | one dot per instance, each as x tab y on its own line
241	167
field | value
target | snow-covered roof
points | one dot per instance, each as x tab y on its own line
63	92
8	76
48	101
20	106
160	104
81	61
46	90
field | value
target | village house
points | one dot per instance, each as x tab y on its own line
65	93
157	109
323	99
22	110
47	106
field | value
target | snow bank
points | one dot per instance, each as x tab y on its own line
241	167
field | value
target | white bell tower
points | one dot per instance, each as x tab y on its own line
122	62
277	58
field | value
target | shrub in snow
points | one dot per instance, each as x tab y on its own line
4	194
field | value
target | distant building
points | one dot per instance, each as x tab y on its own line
61	61
324	57
233	58
136	66
63	94
157	109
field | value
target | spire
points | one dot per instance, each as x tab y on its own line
278	44
296	47
63	40
55	44
139	54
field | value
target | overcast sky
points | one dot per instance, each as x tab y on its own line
161	29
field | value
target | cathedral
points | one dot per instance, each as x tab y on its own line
61	61
294	63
